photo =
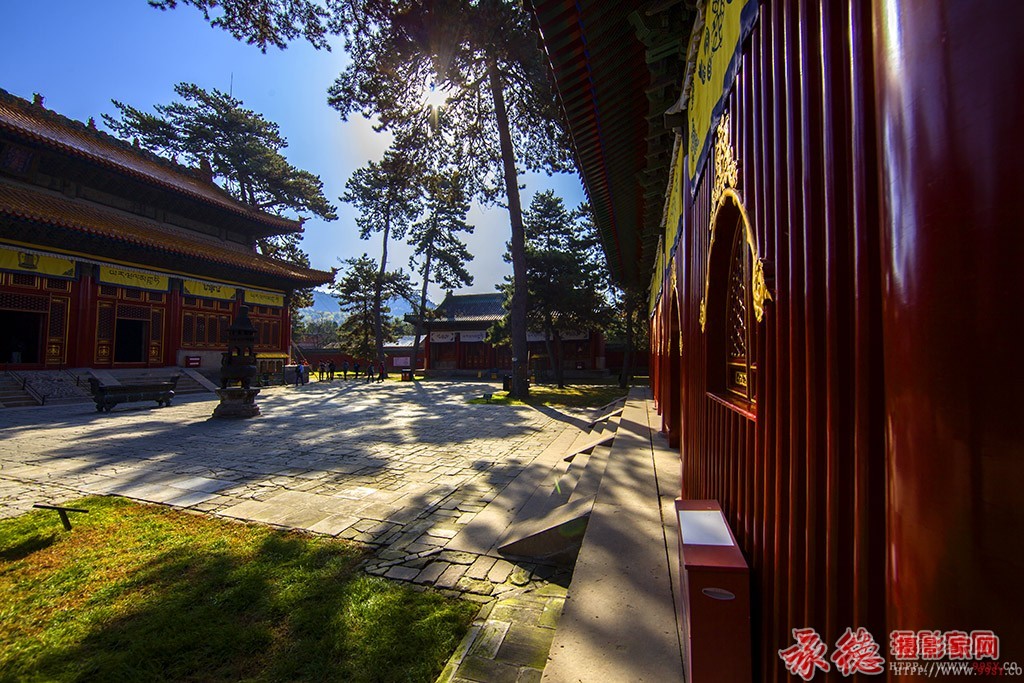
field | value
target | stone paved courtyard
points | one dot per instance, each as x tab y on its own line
399	466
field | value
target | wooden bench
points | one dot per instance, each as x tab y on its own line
108	396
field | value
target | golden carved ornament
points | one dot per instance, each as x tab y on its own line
726	188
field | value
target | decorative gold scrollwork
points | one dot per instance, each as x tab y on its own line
725	188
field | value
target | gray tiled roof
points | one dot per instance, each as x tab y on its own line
471	308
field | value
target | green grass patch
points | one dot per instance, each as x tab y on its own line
572	395
146	593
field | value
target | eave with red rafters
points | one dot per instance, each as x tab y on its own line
34	125
617	66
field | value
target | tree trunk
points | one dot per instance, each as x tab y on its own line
557	360
378	328
517	316
550	372
423	304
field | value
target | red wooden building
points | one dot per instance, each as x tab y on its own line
820	195
111	257
456	339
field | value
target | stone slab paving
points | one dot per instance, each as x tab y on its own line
401	467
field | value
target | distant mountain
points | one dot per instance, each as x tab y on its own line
326	305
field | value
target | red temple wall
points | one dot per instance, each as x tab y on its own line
873	483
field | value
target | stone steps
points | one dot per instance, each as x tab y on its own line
12	395
551	525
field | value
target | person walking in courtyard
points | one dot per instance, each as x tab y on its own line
355	370
298	374
344	370
369	372
383	373
331	367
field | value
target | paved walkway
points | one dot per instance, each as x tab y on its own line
400	466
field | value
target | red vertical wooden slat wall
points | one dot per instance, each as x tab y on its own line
800	481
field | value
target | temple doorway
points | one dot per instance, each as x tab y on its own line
130	341
21	339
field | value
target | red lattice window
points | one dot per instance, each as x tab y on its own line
225	322
58	316
108	290
731	328
188	329
741	367
105	323
156	297
24	302
224	305
134	294
23	280
57	285
133	312
200	329
191	301
156	327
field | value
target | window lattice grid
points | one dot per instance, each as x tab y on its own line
134	294
188	329
156	328
58	316
737	316
23	280
133	312
108	290
225	322
200	329
24	302
57	285
105	323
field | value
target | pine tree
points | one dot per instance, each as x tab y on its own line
566	274
386	195
442	255
470	72
357	293
243	151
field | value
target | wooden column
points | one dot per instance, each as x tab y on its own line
950	140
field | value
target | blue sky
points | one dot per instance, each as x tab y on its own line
80	54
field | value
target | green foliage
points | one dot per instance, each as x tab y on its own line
144	592
357	296
404	54
269	22
386	195
498	110
320	330
479	59
567	275
242	149
435	240
572	395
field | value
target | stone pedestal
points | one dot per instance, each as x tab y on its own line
237	402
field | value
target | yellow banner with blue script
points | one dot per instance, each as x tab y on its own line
727	23
38	264
253	296
209	291
113	275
